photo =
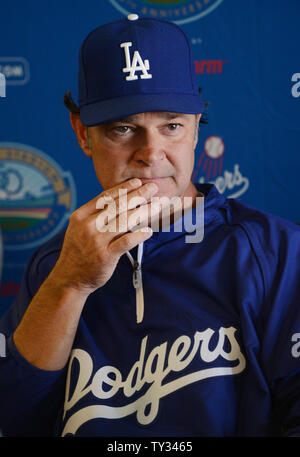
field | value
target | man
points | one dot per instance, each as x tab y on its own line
138	332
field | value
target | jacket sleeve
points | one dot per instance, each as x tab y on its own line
31	399
276	243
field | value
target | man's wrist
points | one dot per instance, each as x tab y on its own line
64	289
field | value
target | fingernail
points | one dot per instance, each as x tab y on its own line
135	182
147	230
152	186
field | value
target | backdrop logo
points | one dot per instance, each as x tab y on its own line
15	70
36	196
209	66
178	11
210	169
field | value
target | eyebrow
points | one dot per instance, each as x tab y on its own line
163	114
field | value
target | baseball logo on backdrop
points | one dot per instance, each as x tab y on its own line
178	11
210	169
36	196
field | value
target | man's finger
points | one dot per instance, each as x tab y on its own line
129	240
129	185
91	207
127	220
123	203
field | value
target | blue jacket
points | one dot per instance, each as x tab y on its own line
216	352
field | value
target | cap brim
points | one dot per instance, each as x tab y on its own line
117	108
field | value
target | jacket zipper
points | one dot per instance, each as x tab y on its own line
138	282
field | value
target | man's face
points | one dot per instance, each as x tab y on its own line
153	146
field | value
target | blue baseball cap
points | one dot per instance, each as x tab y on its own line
135	65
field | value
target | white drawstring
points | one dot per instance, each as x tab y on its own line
137	282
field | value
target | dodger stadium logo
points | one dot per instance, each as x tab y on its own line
178	11
36	196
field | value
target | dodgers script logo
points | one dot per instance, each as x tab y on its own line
36	196
148	372
178	11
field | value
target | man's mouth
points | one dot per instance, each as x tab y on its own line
145	180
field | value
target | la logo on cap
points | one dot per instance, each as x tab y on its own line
137	64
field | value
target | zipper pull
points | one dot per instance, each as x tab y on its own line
137	275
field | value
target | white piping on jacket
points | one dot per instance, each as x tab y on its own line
137	282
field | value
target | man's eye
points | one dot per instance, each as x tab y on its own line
121	129
173	127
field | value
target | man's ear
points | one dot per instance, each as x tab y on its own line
197	120
81	133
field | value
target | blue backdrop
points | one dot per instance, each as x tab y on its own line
247	61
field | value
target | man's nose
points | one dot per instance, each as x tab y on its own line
149	150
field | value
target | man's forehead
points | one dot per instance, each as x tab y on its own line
159	114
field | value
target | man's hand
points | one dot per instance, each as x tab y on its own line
97	235
88	258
